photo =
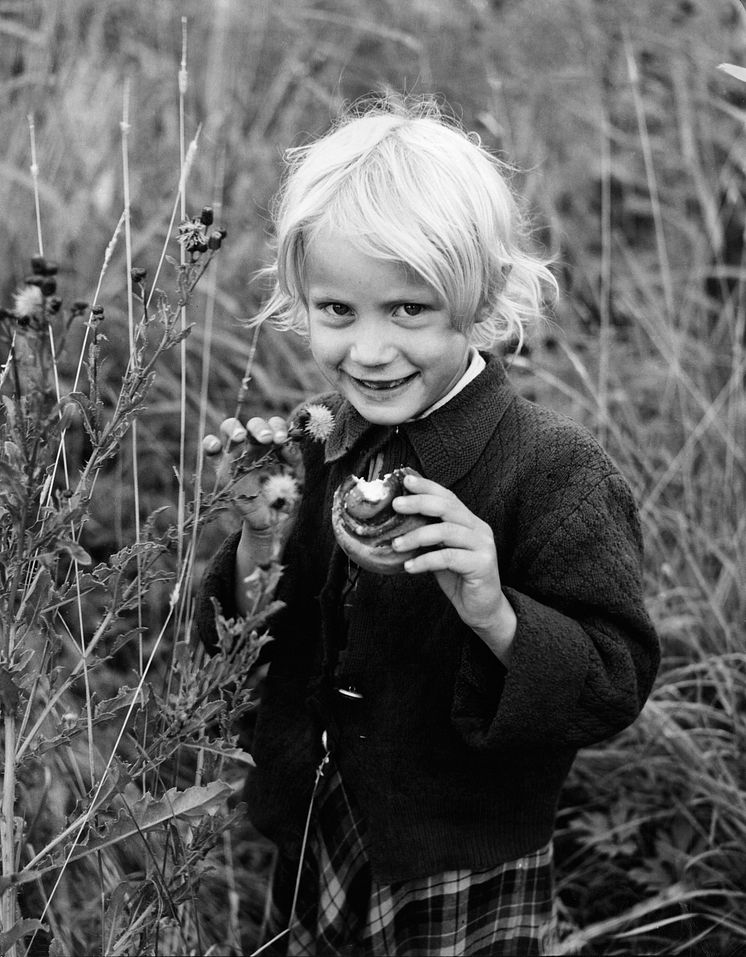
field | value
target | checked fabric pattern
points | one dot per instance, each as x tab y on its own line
342	910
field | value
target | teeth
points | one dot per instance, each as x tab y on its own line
391	384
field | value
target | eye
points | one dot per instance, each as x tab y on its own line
410	309
337	309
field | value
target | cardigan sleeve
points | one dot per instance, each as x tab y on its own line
585	652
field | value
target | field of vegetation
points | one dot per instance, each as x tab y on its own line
121	828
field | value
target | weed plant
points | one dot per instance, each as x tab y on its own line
121	771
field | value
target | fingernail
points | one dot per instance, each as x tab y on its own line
238	435
211	445
396	543
264	434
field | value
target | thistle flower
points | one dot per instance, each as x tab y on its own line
317	421
281	491
28	302
193	235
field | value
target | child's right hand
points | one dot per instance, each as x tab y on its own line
265	523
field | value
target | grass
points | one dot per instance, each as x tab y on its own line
631	144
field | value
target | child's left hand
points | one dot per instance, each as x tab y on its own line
463	560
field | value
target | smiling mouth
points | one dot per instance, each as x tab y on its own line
384	385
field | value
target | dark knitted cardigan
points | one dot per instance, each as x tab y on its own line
454	761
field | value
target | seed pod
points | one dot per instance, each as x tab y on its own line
54	304
50	268
49	286
206	216
138	274
35	280
38	265
215	239
98	312
80	305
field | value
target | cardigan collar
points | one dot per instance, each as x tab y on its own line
447	442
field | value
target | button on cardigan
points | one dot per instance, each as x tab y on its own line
454	760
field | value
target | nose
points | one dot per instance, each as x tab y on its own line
370	345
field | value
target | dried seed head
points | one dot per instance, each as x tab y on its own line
28	302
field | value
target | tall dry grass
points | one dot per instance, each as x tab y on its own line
631	146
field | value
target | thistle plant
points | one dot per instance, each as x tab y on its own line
90	783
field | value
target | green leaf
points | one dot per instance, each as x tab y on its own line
737	72
148	813
22	929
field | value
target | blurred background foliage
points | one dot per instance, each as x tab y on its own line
629	146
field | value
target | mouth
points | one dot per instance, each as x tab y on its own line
383	385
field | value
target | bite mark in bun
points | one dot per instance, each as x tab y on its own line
365	523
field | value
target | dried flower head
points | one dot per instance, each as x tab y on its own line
281	491
28	302
319	422
193	235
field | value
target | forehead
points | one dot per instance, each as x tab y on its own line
338	260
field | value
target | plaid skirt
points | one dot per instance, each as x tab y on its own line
507	910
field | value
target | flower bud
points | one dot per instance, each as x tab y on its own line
206	216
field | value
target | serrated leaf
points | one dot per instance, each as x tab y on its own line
737	72
148	813
58	949
22	929
223	751
123	699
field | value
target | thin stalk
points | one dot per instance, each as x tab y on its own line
125	128
605	281
35	178
647	153
181	505
7	835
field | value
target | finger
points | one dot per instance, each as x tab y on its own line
211	445
260	430
460	561
232	432
444	535
279	428
443	505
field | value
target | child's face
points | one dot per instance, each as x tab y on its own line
380	335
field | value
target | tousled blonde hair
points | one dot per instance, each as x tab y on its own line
406	184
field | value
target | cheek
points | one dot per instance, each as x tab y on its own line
326	348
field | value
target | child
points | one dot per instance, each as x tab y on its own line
454	695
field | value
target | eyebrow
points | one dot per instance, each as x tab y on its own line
422	293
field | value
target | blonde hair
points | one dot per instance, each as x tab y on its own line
406	184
